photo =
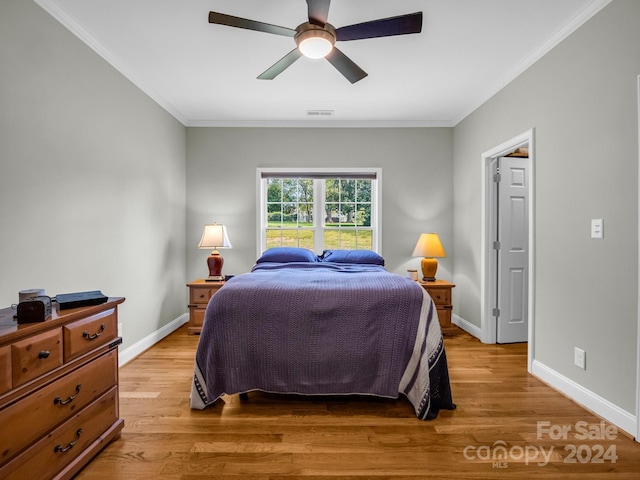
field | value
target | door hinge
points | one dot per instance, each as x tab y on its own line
496	312
497	177
496	245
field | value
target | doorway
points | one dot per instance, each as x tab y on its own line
507	288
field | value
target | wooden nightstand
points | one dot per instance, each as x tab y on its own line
200	292
440	292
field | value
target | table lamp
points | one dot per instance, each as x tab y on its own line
215	236
429	248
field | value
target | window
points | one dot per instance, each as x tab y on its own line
319	209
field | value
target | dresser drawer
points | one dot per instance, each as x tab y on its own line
23	422
35	356
201	296
5	369
89	333
53	452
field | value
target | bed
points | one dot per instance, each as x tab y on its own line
335	324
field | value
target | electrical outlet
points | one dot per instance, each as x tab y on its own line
580	358
120	330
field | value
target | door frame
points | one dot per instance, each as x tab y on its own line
488	322
638	313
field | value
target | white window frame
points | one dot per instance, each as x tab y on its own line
376	195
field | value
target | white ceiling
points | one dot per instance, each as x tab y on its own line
205	74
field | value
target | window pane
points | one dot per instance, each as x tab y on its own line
290	189
274	190
347	190
363	217
348	239
331	239
305	214
364	191
305	239
365	241
305	189
332	190
289	238
332	214
273	239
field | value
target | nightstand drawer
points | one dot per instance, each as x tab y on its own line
441	296
200	292
440	293
35	356
201	296
196	317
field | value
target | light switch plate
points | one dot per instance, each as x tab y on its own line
579	359
597	228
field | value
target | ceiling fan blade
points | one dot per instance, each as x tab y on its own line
385	27
231	21
281	65
318	11
345	66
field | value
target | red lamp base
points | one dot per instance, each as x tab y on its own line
215	263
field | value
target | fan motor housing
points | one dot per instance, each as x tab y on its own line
308	31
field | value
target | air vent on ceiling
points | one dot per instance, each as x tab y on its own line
320	113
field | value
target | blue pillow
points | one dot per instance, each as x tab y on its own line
287	255
353	256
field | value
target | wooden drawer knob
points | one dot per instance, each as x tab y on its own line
44	354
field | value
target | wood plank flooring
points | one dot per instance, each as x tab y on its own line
494	432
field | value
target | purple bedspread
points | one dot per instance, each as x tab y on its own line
322	329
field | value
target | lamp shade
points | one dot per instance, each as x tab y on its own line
214	236
429	245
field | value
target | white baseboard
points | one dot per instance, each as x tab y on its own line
129	353
470	328
598	405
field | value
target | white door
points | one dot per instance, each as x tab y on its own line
512	245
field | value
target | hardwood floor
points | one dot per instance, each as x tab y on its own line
283	437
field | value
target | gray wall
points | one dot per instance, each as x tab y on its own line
92	176
581	98
416	184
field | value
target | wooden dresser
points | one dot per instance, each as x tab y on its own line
58	391
440	292
200	292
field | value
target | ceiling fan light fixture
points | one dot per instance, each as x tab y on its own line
314	41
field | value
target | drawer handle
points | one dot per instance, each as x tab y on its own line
61	449
43	354
89	336
59	401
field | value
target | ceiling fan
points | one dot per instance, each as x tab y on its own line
316	38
